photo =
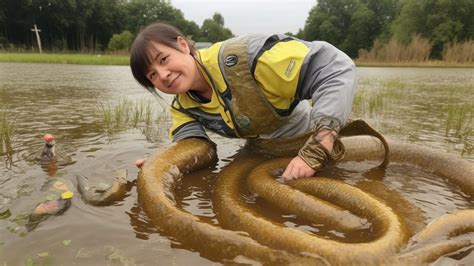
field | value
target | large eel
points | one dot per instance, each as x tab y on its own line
271	243
233	214
156	183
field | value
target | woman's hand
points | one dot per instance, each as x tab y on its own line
297	168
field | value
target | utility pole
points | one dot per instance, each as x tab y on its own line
36	30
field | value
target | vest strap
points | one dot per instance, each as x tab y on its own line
252	113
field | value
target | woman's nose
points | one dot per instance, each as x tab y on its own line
163	73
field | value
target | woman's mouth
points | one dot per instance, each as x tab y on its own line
173	82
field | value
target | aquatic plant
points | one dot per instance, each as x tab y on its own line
358	100
393	90
459	119
376	103
7	134
124	113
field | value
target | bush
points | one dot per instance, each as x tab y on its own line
122	41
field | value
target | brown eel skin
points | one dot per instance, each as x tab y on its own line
250	235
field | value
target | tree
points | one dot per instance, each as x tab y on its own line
3	22
329	21
213	30
140	13
360	31
350	24
440	21
385	12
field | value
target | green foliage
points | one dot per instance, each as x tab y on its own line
122	41
86	25
440	21
213	30
349	24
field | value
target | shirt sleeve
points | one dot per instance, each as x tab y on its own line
328	78
184	126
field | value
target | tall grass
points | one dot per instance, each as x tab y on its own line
418	50
379	98
7	134
459	119
124	113
376	103
459	52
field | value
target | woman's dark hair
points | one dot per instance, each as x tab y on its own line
140	53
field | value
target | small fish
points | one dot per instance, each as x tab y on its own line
103	194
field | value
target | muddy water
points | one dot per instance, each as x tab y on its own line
404	103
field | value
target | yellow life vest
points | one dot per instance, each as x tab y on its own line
246	99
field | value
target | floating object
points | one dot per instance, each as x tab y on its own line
48	138
47	208
48	152
139	163
67	195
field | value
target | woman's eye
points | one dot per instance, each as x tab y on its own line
164	59
152	75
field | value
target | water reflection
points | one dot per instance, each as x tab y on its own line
404	103
432	107
141	224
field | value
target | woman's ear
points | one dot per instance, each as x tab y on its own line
183	45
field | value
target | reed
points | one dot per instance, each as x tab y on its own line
376	103
393	90
459	52
459	119
359	100
124	113
418	50
105	110
377	98
7	134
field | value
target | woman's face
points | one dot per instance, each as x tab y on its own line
172	71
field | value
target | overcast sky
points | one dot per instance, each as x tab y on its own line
250	16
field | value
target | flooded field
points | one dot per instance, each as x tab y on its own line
103	121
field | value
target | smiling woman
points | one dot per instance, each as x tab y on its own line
251	87
170	70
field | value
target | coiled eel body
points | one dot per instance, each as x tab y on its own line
248	234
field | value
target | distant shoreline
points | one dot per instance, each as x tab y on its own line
123	60
428	64
79	59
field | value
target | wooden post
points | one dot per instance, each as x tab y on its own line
36	30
